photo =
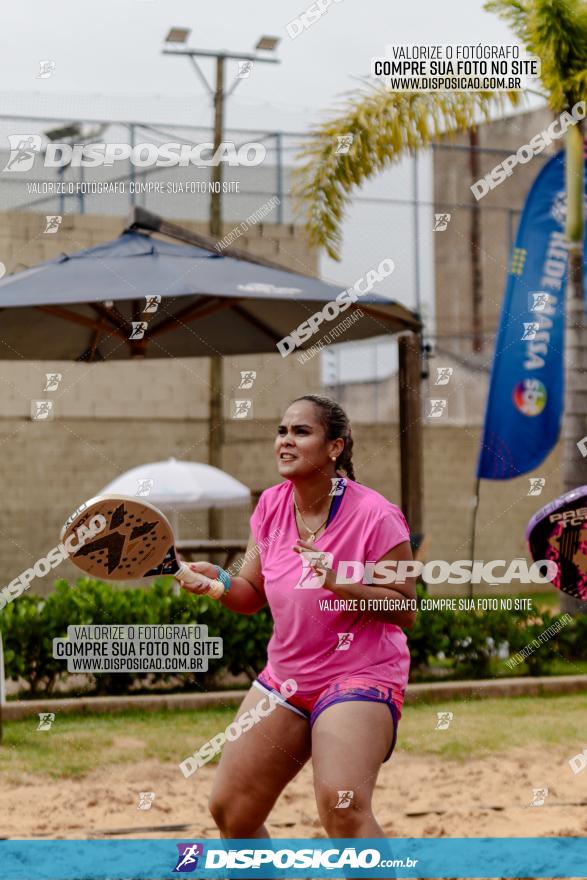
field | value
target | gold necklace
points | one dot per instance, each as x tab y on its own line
313	532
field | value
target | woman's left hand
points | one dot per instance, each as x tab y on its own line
317	560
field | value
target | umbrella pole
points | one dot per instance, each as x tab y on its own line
215	436
175	525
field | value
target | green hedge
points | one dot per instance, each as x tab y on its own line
30	624
477	644
471	644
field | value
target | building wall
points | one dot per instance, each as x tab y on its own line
465	393
24	243
499	214
505	505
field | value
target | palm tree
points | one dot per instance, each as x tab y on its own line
386	126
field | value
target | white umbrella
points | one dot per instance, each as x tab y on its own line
180	485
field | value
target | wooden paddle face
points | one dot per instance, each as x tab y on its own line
136	542
559	532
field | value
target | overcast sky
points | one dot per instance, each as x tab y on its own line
113	49
109	65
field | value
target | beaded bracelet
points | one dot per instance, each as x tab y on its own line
224	578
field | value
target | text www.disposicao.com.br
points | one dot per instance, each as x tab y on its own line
135	664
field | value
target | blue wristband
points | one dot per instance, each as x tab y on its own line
224	578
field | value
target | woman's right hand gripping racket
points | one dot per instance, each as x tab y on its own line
559	532
136	542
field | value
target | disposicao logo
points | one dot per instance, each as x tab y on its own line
187	859
24	148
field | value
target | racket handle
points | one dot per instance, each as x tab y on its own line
188	576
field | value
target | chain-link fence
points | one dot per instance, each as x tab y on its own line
402	214
36	175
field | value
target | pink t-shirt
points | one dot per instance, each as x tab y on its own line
305	637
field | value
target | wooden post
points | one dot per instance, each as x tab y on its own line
410	422
215	437
475	246
255	495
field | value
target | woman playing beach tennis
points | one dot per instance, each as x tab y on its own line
343	667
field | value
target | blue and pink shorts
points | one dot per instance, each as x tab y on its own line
352	688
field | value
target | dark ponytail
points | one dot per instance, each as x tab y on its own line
336	424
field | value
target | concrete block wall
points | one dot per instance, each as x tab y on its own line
24	243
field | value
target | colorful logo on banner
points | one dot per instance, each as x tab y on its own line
525	402
187	860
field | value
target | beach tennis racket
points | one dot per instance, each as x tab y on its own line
137	542
559	532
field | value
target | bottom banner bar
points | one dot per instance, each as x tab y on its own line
305	858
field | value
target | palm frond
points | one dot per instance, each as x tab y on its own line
386	126
515	13
577	84
556	32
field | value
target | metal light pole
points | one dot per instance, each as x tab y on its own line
176	37
215	195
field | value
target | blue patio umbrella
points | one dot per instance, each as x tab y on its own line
85	304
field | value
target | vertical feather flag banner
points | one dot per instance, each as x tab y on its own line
525	402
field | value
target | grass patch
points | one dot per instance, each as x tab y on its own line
78	744
443	670
484	727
